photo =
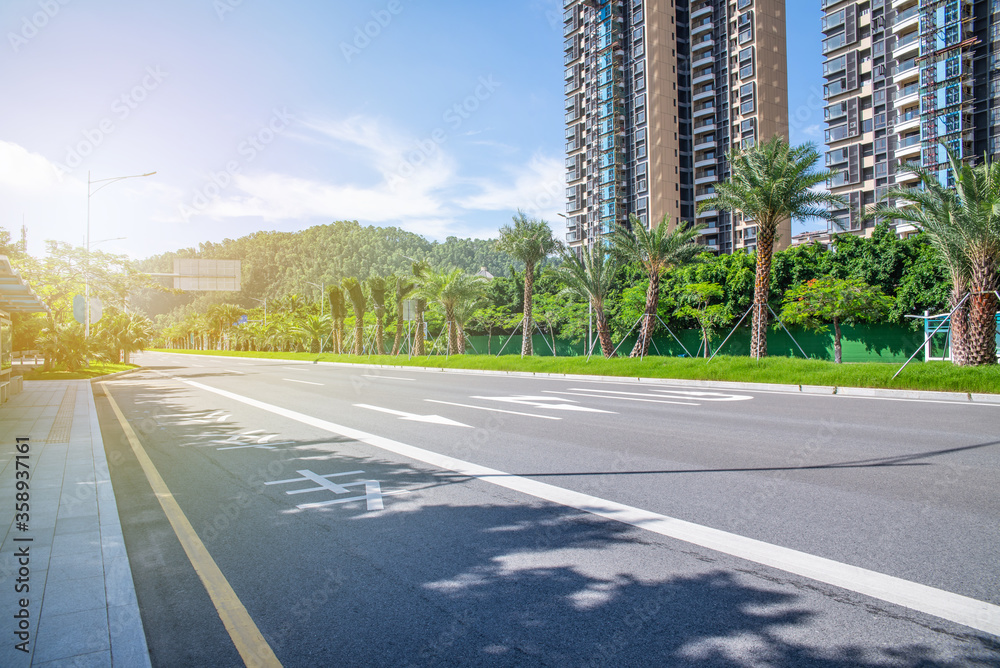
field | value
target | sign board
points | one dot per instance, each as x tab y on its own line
242	321
80	309
96	309
409	310
207	275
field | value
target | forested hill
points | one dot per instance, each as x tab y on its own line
276	264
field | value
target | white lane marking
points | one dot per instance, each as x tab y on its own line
304	382
669	394
241	373
243	447
372	496
618	398
494	410
542	402
366	375
197	365
960	609
432	419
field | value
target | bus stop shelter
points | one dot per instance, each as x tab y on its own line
16	296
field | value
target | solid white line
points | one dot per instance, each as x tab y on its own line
494	410
960	609
304	382
365	375
242	373
600	396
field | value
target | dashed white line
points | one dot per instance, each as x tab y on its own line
366	375
494	410
304	382
605	396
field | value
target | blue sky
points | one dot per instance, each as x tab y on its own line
441	118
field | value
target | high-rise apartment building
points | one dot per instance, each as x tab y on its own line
657	93
903	76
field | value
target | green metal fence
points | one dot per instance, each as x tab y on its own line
860	343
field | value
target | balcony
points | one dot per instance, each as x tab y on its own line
906	19
698	28
908	45
704	94
705	179
704	110
906	71
705	162
704	10
908	147
908	120
703	77
906	96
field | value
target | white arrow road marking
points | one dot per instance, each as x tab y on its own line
432	419
494	410
543	402
957	608
366	375
304	382
604	395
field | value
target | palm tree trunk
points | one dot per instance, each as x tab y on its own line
528	329
641	348
604	332
761	291
359	333
837	351
398	340
418	336
982	346
379	332
449	315
959	323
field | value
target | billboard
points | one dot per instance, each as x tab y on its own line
207	275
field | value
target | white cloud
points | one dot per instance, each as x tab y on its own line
538	188
22	170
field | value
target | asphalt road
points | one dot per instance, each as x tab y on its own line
480	530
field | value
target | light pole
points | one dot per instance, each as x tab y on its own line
91	191
322	294
264	302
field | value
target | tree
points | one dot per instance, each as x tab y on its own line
589	276
530	241
656	250
834	300
963	223
313	329
356	294
338	311
451	289
65	345
770	183
699	307
119	334
420	271
377	288
403	286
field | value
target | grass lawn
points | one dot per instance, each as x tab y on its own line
93	371
941	376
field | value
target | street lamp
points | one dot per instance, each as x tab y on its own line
91	191
264	302
322	294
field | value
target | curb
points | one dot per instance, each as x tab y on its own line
855	392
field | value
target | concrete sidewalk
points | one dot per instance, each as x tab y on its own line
81	603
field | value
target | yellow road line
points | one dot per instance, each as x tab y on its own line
249	641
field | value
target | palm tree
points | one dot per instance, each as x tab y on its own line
589	277
420	271
656	250
963	223
313	329
464	311
122	334
376	288
451	289
338	311
769	184
403	286
530	241
353	288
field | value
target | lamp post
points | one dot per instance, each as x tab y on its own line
322	294
91	191
264	302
